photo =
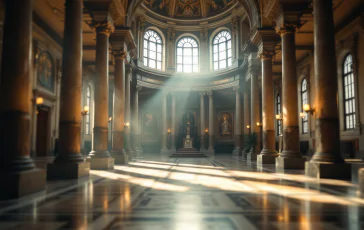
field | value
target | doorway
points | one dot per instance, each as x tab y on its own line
42	132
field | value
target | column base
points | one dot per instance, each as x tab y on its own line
237	151
266	159
101	163
67	171
328	170
355	168
361	181
210	151
283	163
120	159
251	157
19	184
164	150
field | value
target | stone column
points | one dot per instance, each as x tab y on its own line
128	80
290	158
18	175
100	157
118	151
164	123
237	149
254	116
327	161
69	162
202	121
135	120
211	149
268	154
247	122
173	125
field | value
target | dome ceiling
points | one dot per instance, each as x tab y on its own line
189	9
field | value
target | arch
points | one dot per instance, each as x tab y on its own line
153	49
222	50
187	55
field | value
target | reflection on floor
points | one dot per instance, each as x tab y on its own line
159	193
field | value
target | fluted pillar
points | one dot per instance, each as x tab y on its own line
173	125
268	153
69	162
100	157
237	149
202	121
118	151
135	121
164	123
327	161
290	158
128	79
18	175
211	148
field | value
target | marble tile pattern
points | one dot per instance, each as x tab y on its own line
161	193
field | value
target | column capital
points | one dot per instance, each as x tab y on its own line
119	53
266	40
106	27
202	93
236	88
138	88
209	93
286	28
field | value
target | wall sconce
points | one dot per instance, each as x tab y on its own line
110	119
85	111
279	117
126	124
259	124
206	131
307	108
39	101
248	126
302	115
169	131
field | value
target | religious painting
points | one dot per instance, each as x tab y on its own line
150	127
45	71
188	119
188	8
225	125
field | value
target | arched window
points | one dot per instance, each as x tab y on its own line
304	100
187	55
278	109
87	116
349	93
222	50
152	50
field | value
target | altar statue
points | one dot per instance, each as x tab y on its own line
225	126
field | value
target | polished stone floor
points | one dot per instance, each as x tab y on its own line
157	193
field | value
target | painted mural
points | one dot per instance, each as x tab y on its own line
188	8
45	71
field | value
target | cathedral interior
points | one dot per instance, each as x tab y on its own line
182	114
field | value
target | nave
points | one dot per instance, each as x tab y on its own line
156	192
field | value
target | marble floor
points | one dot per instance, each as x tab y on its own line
158	193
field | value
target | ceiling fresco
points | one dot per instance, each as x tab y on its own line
188	8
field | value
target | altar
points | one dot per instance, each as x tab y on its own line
187	142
